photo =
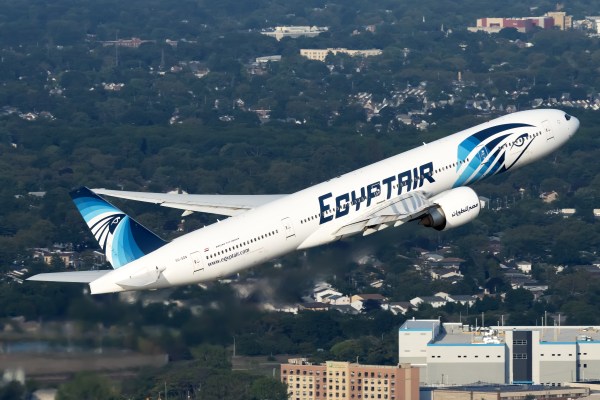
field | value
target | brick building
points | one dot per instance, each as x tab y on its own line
344	380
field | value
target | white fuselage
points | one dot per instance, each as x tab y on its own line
313	216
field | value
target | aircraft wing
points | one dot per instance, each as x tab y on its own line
391	212
72	276
207	203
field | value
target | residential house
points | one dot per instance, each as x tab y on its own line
358	300
316	306
433	301
337	300
457	298
549	197
321	295
398	307
464	299
536	288
524	266
46	255
449	262
444	273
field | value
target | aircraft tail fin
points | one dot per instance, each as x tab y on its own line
121	237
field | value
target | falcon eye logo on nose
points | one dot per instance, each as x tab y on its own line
520	141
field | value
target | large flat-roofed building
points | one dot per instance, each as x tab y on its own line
509	392
456	354
344	380
279	32
524	25
321	54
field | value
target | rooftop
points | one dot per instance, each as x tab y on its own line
506	388
561	334
419	324
456	333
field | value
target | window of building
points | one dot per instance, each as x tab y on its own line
520	356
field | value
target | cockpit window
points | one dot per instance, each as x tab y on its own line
567	117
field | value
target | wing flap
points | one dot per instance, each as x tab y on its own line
394	211
72	276
141	279
229	205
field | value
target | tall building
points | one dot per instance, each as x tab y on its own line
457	354
561	19
344	380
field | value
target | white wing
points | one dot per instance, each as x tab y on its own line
73	277
207	203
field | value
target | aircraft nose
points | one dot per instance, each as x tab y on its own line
573	124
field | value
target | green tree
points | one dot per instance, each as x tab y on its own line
518	299
265	388
226	385
212	356
347	350
87	386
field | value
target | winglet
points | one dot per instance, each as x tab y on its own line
121	238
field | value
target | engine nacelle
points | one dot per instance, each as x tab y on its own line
452	208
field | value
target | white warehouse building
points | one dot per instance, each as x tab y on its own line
456	354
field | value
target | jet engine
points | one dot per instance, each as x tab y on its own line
452	208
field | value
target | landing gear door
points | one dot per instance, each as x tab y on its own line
197	262
288	228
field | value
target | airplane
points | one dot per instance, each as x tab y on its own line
428	184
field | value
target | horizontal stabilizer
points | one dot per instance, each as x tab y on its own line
73	276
